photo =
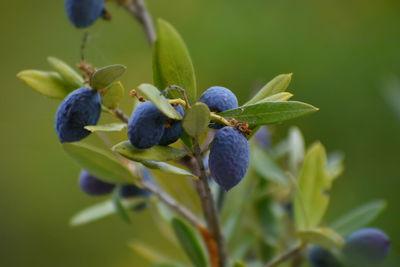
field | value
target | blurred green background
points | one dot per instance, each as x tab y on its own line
339	51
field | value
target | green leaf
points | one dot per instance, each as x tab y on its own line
311	198
266	167
147	252
69	75
172	64
323	237
156	153
113	95
47	83
196	119
152	94
100	211
189	242
167	265
106	166
269	112
187	140
296	150
358	218
167	168
279	84
118	206
111	127
239	264
105	76
335	165
282	96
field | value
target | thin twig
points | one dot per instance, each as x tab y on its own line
120	115
173	204
137	8
287	255
208	206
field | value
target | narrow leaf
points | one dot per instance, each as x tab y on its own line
335	165
118	206
47	83
172	64
167	168
358	218
323	237
279	84
296	150
100	211
283	96
311	198
100	163
269	112
196	119
156	153
69	75
113	95
152	94
105	76
147	252
111	127
266	167
189	242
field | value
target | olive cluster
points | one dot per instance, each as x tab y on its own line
229	151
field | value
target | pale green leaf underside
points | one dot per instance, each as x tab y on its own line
69	75
156	153
275	86
283	96
152	94
111	127
172	64
311	198
167	168
269	112
358	217
323	237
100	211
106	166
47	83
113	95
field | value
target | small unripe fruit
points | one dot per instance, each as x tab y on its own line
174	131
83	13
80	108
146	126
93	186
320	257
219	99
229	157
367	246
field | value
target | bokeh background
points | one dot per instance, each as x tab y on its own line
341	52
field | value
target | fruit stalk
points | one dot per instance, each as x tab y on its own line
208	205
137	8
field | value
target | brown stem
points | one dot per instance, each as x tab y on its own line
120	115
137	8
287	255
208	206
